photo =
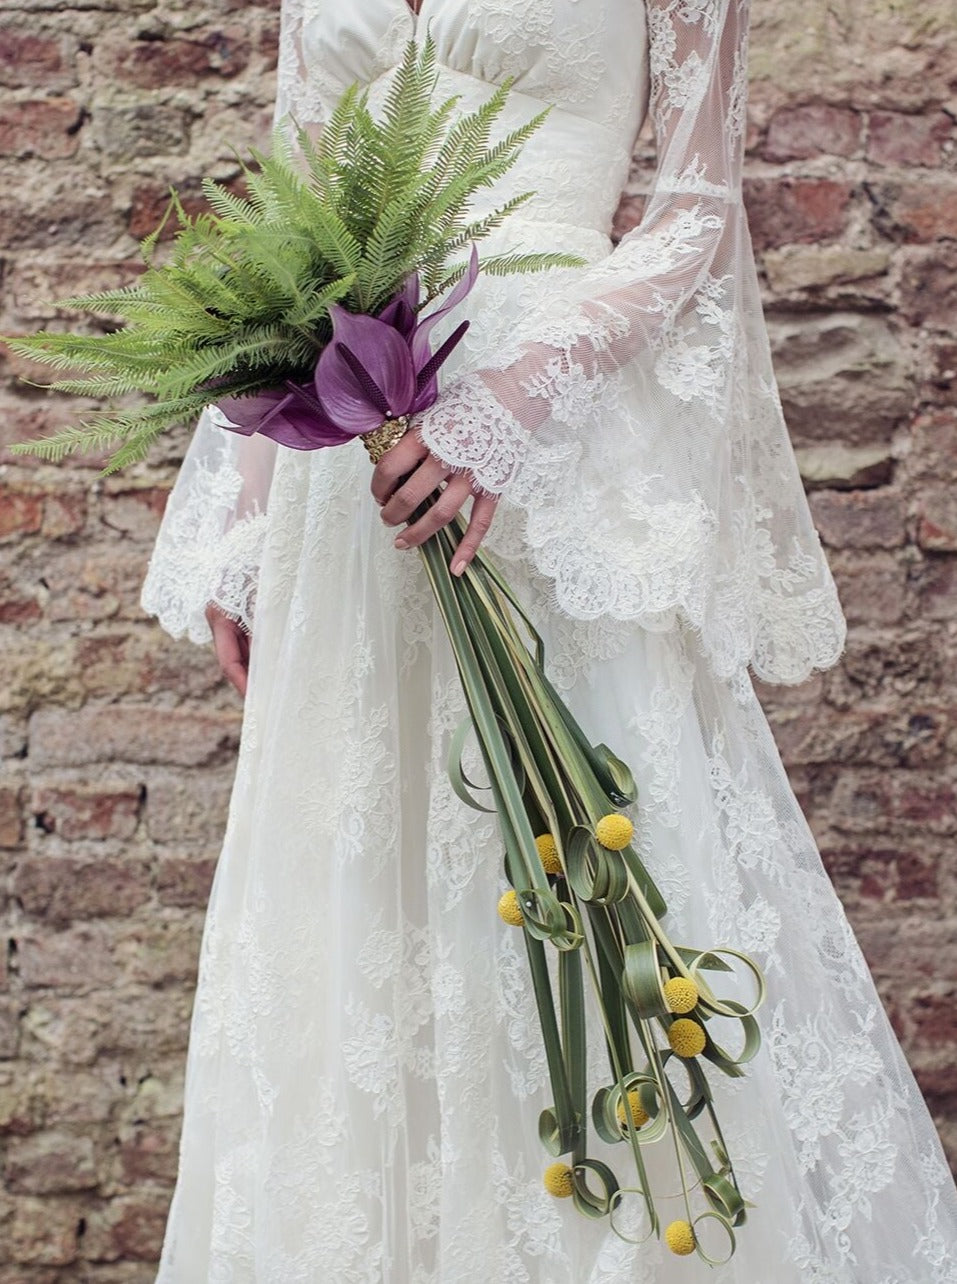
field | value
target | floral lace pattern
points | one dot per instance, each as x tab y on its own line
365	1073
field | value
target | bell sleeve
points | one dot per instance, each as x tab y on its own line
635	418
210	543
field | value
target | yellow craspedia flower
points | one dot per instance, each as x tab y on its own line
509	910
559	1180
681	995
639	1115
679	1236
614	831
686	1037
548	851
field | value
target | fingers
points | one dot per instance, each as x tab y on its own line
414	490
439	515
483	511
388	473
231	646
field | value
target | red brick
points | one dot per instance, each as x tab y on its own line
132	733
859	519
895	138
17	606
937	514
872	587
42	1232
784	210
64	514
149	1153
185	883
49	1163
129	1228
31	59
796	133
61	889
45	127
95	582
918	211
934	1018
77	811
11	816
936	584
80	958
929	286
149	202
21	511
154	64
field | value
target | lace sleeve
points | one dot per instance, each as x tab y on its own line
635	419
210	542
211	539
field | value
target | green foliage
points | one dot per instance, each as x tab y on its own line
242	303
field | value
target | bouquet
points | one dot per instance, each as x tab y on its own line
306	311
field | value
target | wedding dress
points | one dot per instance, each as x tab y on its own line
365	1070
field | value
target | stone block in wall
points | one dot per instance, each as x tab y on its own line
860	519
49	1163
132	733
843	376
123	133
803	267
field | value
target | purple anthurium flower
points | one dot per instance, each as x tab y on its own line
383	367
373	368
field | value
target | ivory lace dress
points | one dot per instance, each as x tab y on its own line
365	1070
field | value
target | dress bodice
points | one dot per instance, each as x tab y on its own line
587	59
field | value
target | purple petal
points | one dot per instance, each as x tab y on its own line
400	312
290	417
385	358
420	340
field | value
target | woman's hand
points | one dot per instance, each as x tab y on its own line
231	644
406	475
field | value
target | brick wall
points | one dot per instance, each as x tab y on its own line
117	744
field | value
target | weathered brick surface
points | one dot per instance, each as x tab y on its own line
116	744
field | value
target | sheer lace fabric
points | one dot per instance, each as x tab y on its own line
365	1072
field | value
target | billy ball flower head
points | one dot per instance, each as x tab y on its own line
639	1115
687	1037
548	852
614	831
681	995
679	1236
559	1180
509	910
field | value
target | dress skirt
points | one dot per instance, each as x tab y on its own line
365	1070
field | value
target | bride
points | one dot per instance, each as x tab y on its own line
365	1070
